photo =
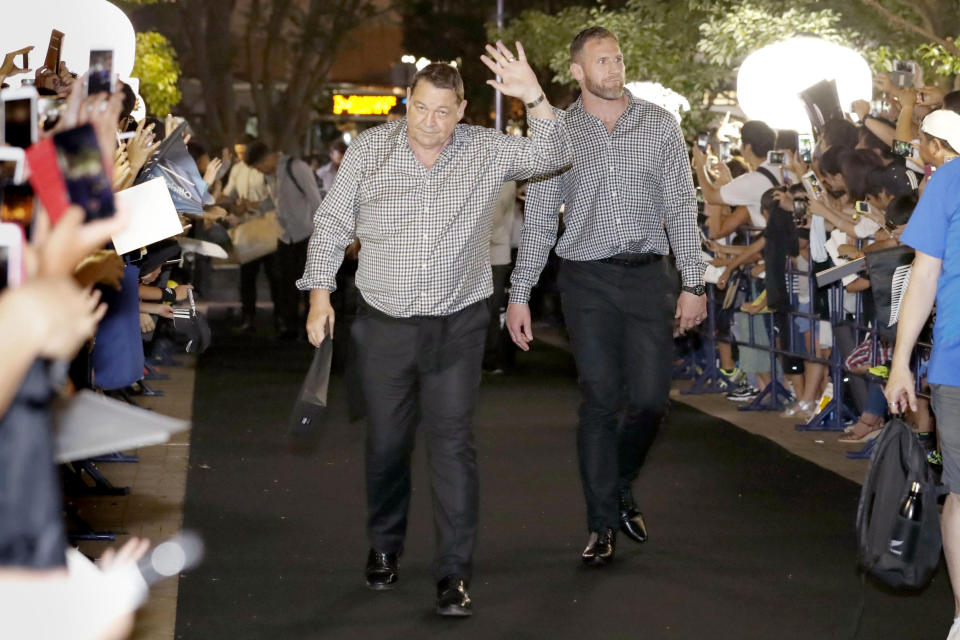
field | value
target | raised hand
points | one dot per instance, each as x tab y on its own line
516	78
9	66
141	146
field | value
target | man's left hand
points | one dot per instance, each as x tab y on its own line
691	310
516	78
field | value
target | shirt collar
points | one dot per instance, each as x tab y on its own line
632	103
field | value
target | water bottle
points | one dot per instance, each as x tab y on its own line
906	528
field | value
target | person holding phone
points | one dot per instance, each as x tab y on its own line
629	200
419	194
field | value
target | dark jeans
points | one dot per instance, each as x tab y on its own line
493	353
248	284
422	371
290	261
620	321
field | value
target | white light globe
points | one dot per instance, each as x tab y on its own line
771	78
86	24
662	96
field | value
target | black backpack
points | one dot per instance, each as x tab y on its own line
898	460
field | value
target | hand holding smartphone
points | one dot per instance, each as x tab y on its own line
100	78
18	128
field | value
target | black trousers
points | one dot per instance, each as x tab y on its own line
620	321
291	259
422	372
248	284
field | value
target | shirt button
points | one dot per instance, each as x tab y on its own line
611	169
614	194
617	220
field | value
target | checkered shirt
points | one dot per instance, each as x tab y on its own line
629	191
425	234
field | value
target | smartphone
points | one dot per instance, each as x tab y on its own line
703	140
100	78
805	147
49	111
17	206
776	157
812	185
11	255
25	60
799	210
47	179
126	135
903	73
862	207
80	162
902	149
19	116
12	161
52	60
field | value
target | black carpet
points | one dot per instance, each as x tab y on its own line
747	540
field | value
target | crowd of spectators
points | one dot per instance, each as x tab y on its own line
782	207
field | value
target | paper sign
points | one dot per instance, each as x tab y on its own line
151	213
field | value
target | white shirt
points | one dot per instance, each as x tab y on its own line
748	189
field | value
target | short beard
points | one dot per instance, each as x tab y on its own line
601	92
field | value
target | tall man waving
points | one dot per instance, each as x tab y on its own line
419	195
629	199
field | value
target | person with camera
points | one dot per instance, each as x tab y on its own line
419	194
758	142
629	199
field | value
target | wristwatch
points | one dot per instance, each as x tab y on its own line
698	290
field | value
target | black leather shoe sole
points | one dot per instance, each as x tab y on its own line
597	561
380	585
454	611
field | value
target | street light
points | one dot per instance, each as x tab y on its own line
770	79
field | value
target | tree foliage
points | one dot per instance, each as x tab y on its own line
284	49
695	47
157	68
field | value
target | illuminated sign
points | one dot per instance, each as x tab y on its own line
363	105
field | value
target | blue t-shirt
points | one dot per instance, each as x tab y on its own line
934	229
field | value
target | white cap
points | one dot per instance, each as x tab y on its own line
943	124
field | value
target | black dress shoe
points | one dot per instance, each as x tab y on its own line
600	548
452	597
382	571
631	520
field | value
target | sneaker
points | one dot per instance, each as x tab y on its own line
743	393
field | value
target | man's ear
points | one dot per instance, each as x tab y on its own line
462	109
576	71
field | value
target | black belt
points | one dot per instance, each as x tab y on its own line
633	259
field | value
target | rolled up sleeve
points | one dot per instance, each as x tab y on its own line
546	150
334	223
680	206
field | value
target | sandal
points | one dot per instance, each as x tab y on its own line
855	436
799	408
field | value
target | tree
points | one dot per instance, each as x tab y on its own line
695	47
156	67
451	29
283	48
